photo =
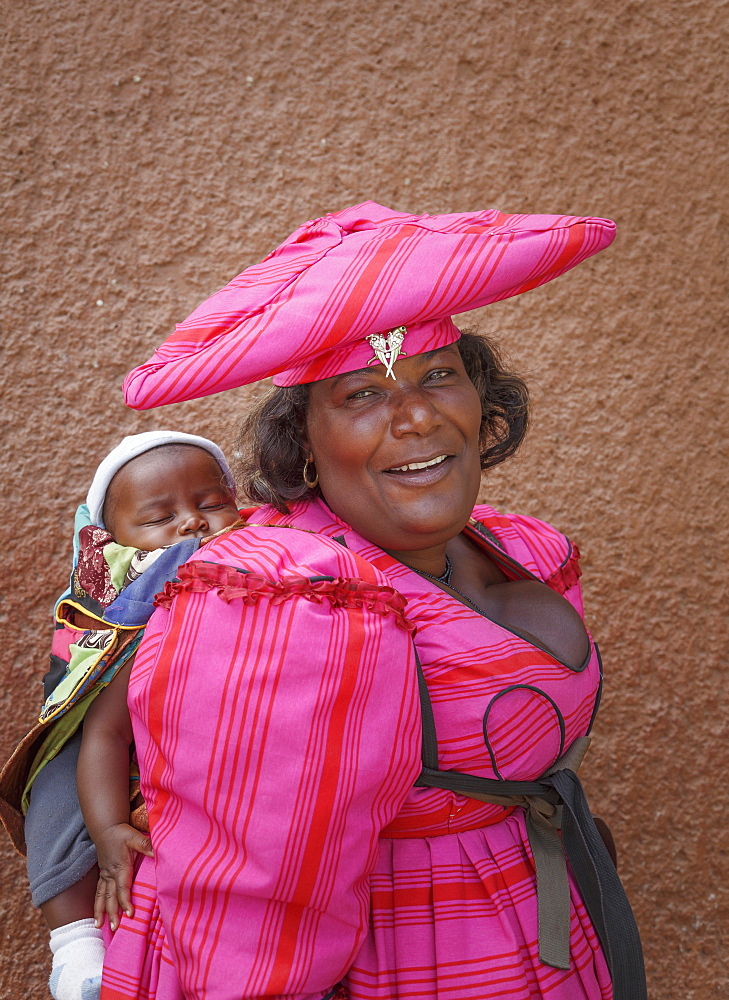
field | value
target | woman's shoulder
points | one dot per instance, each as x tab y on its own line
276	551
282	563
537	545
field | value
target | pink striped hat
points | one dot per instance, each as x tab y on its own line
355	288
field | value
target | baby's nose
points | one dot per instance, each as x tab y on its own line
193	522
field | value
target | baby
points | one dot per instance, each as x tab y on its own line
154	491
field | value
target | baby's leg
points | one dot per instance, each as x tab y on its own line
63	876
60	851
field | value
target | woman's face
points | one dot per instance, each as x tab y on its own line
399	460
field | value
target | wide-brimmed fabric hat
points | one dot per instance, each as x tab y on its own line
359	287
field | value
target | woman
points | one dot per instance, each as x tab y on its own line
340	726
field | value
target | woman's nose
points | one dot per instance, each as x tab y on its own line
415	413
192	522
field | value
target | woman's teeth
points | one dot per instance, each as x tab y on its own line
416	466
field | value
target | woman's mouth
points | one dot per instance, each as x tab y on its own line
425	471
417	466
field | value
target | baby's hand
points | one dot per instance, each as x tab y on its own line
117	848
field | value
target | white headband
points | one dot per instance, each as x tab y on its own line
136	444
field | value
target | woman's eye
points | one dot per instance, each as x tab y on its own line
361	394
439	373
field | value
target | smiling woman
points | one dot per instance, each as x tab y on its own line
400	457
372	791
271	438
364	432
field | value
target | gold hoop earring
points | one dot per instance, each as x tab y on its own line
313	483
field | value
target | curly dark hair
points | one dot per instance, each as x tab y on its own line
272	455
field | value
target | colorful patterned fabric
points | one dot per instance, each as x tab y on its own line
305	311
300	854
83	662
92	574
92	659
87	661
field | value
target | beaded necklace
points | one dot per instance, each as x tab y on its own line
445	576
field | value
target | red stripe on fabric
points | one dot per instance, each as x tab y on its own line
481	271
157	697
574	244
209	878
435	892
323	807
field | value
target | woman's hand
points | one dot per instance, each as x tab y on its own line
117	848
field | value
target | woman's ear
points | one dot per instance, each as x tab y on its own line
304	442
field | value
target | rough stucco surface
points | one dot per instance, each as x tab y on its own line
152	150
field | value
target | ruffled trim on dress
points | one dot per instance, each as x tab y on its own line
237	584
568	574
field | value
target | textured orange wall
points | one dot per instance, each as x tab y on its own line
152	150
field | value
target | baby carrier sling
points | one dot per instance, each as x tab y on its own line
118	630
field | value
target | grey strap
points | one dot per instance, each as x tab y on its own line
601	889
553	887
429	740
543	821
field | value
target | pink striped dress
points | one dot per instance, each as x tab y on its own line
277	722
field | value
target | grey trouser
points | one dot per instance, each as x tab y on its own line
60	851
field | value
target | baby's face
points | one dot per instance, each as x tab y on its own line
166	495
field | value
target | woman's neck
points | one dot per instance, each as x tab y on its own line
431	561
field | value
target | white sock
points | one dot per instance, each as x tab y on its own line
78	960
